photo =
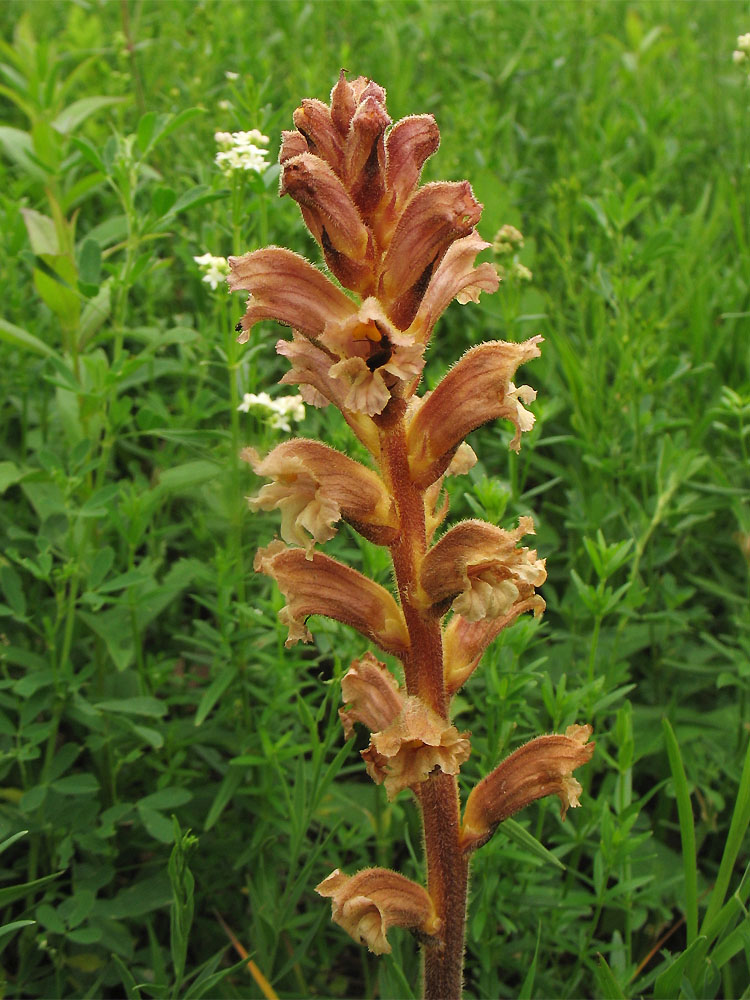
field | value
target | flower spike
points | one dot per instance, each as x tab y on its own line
396	255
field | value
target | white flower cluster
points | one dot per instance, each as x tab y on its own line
742	53
282	410
508	241
241	151
215	269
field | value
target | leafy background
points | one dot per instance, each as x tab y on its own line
144	688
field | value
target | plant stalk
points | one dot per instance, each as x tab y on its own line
447	867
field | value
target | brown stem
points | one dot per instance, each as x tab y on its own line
447	867
447	883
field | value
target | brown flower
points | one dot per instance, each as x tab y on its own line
324	586
464	642
406	251
314	486
477	389
414	744
372	694
543	766
480	568
368	903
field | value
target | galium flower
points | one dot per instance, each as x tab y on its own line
280	411
214	270
241	151
400	253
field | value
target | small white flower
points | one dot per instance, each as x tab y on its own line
231	75
521	272
281	410
743	42
241	151
738	56
215	269
225	105
507	239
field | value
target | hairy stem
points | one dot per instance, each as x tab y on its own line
447	868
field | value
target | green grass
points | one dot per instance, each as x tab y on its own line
142	668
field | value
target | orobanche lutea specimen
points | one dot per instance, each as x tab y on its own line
404	252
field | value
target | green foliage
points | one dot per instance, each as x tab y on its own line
142	668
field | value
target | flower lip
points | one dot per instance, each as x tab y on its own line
314	486
417	741
479	567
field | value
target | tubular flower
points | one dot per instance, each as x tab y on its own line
464	642
324	586
477	389
372	694
481	570
543	766
417	741
368	903
314	486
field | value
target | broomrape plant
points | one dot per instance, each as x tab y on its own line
405	252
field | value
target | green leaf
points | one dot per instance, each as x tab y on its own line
12	588
55	279
687	829
519	835
42	232
19	147
90	153
136	900
16	925
10	474
667	984
9	894
201	194
737	830
156	824
527	987
138	705
102	502
229	785
162	200
132	992
167	125
77	112
185	477
166	798
76	784
213	692
144	130
116	629
9	841
90	262
101	565
609	988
